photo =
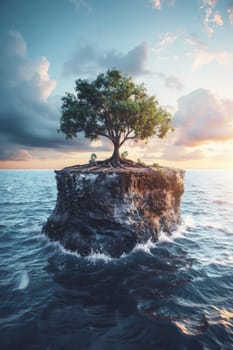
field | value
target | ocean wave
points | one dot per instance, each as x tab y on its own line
96	256
172	293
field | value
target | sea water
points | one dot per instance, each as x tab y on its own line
173	294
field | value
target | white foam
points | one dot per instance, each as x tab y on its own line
164	237
96	257
188	221
23	280
145	247
65	251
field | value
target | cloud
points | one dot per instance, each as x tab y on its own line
88	60
218	19
19	73
193	40
204	57
202	117
180	153
212	19
157	4
166	40
29	116
166	149
172	82
230	13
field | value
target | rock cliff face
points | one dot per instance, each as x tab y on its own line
111	210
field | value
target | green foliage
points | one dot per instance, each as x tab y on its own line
157	167
124	154
140	162
115	107
93	158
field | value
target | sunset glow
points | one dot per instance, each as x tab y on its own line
181	50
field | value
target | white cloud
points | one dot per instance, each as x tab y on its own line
230	14
208	29
181	153
202	117
204	57
212	20
17	70
193	40
29	117
165	40
41	80
218	19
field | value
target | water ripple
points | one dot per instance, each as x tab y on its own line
172	294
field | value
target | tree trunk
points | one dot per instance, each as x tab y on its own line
116	158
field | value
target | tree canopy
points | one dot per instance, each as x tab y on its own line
113	106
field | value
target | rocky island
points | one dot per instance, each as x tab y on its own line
109	206
111	209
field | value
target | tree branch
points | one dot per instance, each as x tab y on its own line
127	137
105	135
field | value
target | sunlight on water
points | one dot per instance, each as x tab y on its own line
193	326
230	260
184	327
226	316
222	316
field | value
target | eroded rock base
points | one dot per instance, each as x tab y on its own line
110	210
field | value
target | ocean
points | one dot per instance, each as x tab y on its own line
175	294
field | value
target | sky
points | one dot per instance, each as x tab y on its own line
181	49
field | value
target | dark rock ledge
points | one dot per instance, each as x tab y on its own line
110	210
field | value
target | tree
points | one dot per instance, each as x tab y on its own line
113	106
